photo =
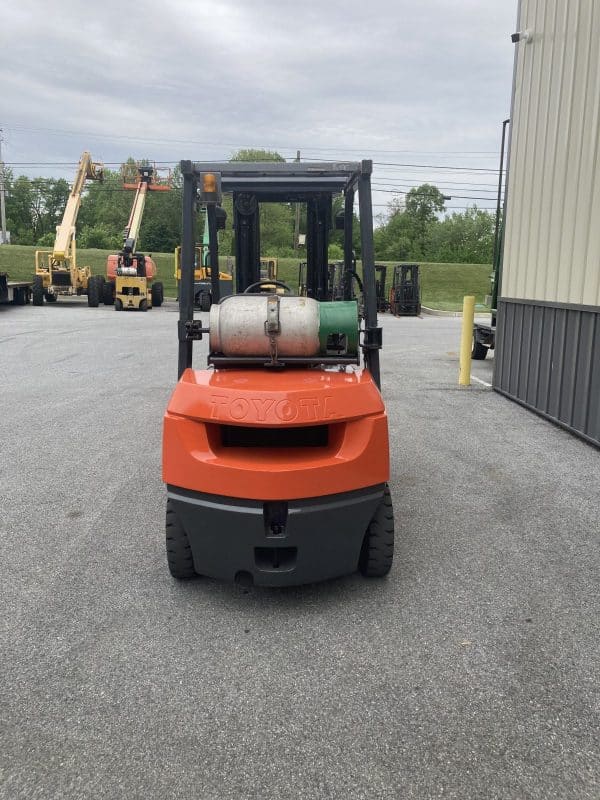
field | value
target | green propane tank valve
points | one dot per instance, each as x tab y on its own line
338	327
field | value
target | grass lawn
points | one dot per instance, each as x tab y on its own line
443	286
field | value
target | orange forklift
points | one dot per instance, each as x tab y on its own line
275	456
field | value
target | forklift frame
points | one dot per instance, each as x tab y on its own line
252	183
289	482
405	293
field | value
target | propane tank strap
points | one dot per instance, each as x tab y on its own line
273	324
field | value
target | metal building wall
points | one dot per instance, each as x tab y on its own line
548	337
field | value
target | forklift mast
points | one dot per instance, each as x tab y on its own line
254	183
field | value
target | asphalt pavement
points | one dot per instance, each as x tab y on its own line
472	671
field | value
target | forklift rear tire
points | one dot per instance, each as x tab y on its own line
479	352
377	553
205	302
143	305
118	304
158	295
94	291
108	293
37	291
179	552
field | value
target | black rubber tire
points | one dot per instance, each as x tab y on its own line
377	553
205	303
50	298
179	552
37	291
158	294
143	305
479	351
20	297
118	304
108	293
94	291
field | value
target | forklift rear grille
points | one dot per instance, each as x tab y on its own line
309	436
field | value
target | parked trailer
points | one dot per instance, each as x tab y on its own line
17	293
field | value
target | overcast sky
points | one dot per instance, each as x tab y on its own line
422	82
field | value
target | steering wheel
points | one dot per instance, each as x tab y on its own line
266	282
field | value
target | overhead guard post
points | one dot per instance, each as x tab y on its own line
188	250
213	248
372	341
348	250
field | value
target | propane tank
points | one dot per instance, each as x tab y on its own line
260	325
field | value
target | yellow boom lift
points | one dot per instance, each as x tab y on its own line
56	271
129	274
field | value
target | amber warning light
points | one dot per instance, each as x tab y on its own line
210	187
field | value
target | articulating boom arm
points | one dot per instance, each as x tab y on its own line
132	231
146	182
87	170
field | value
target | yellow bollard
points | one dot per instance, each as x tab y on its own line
466	341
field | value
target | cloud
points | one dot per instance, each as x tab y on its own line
197	79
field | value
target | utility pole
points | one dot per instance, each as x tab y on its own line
2	193
297	225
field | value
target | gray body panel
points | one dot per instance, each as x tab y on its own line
548	359
321	537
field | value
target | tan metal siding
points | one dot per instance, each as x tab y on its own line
552	242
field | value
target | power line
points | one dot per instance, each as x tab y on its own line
459	196
396	180
243	146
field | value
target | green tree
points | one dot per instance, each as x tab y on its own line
107	204
100	236
394	241
466	237
410	225
55	198
19	200
249	154
423	204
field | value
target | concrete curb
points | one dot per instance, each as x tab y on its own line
435	312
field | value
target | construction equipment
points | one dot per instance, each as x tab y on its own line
56	271
17	293
405	293
484	336
202	271
202	278
268	269
383	303
276	457
130	275
336	277
268	274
